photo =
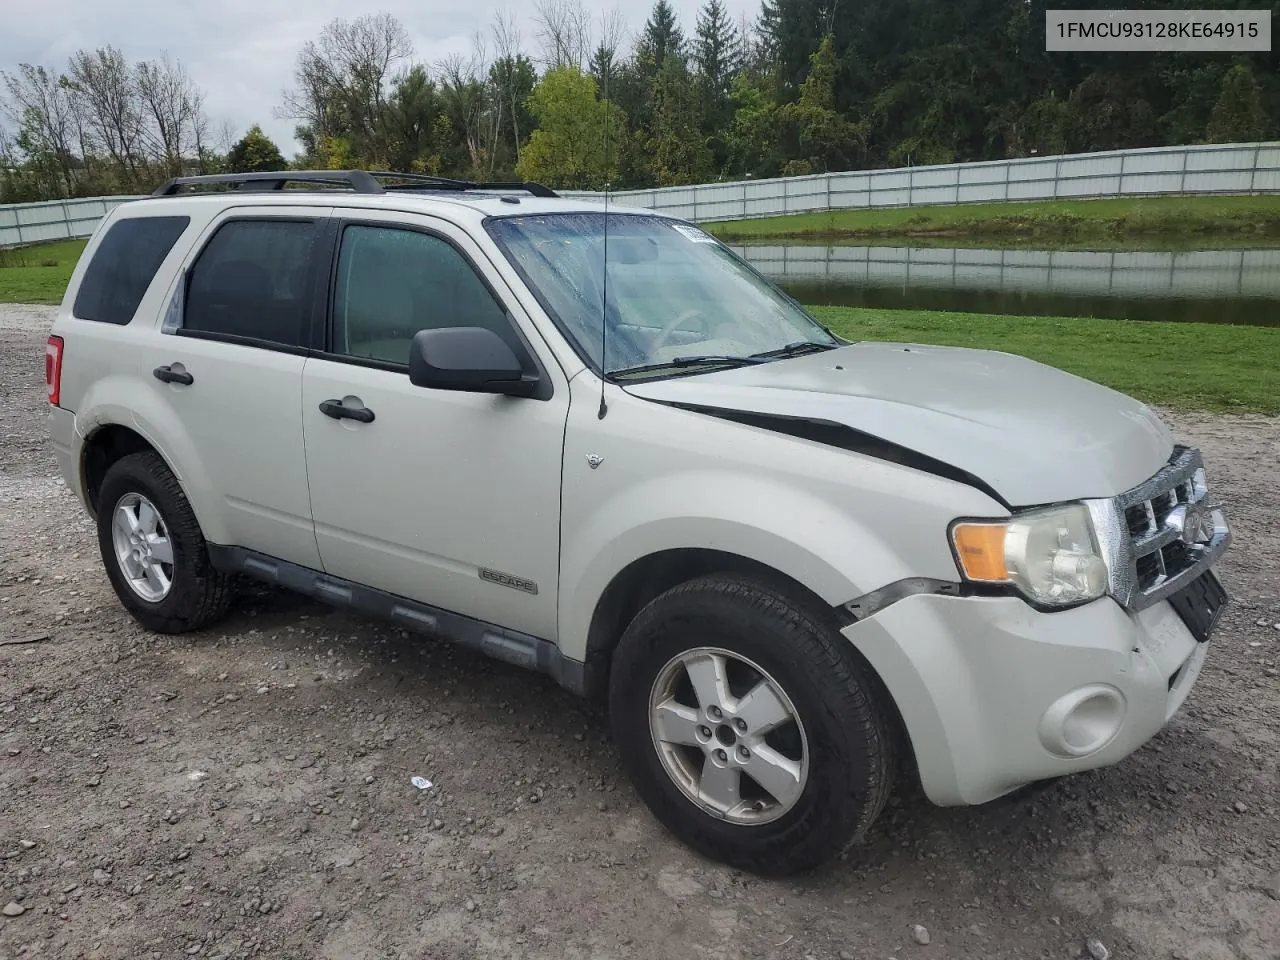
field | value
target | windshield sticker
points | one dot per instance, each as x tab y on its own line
693	233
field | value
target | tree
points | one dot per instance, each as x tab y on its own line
412	110
564	28
1238	116
105	95
342	80
660	39
716	54
823	139
568	148
105	126
465	100
768	33
253	153
1044	128
603	67
39	103
752	138
173	105
800	85
605	63
678	149
792	30
1109	112
512	76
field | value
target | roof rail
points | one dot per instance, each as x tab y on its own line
359	181
426	181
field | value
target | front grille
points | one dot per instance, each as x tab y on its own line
1171	532
1148	569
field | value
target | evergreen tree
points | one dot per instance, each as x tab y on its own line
769	28
716	55
603	68
255	152
1238	116
661	38
819	138
678	149
752	139
410	118
797	29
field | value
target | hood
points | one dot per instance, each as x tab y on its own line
1032	433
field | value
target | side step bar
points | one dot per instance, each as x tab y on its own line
509	646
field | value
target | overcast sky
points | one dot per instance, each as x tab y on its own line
241	52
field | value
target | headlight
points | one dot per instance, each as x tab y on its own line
1051	555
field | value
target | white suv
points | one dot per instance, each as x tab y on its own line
594	442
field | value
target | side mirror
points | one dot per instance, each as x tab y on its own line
472	359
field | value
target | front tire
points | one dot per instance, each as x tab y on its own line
153	550
749	727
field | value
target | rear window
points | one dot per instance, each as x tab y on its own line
124	265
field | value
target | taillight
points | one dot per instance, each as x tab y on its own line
53	368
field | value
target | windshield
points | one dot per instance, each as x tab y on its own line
677	298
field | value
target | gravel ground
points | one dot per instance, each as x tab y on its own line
246	791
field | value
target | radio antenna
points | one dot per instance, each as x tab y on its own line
604	281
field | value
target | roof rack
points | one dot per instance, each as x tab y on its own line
427	181
359	181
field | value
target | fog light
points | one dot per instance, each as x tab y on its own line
1082	722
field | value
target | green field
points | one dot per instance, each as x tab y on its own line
1155	221
38	274
1185	366
1188	366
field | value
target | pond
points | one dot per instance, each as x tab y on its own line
1211	286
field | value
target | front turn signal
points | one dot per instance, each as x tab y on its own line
980	551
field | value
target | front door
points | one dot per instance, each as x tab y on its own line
448	498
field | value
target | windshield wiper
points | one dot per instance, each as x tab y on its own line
699	361
727	360
710	360
794	350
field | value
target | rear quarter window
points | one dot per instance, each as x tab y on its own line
124	265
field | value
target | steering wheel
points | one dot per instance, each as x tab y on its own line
665	333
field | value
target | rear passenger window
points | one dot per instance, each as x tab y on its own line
251	281
124	265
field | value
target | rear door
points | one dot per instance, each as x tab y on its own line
228	369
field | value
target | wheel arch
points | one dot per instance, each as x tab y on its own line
645	578
103	447
111	429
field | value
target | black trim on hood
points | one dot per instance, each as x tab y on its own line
847	438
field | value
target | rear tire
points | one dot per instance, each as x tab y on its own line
153	550
830	757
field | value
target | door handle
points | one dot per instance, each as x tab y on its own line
340	411
170	375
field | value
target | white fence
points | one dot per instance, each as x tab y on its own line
22	223
1210	169
1241	168
1189	274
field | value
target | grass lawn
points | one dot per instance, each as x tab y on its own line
38	274
1159	219
1186	366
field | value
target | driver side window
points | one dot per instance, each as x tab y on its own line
392	283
